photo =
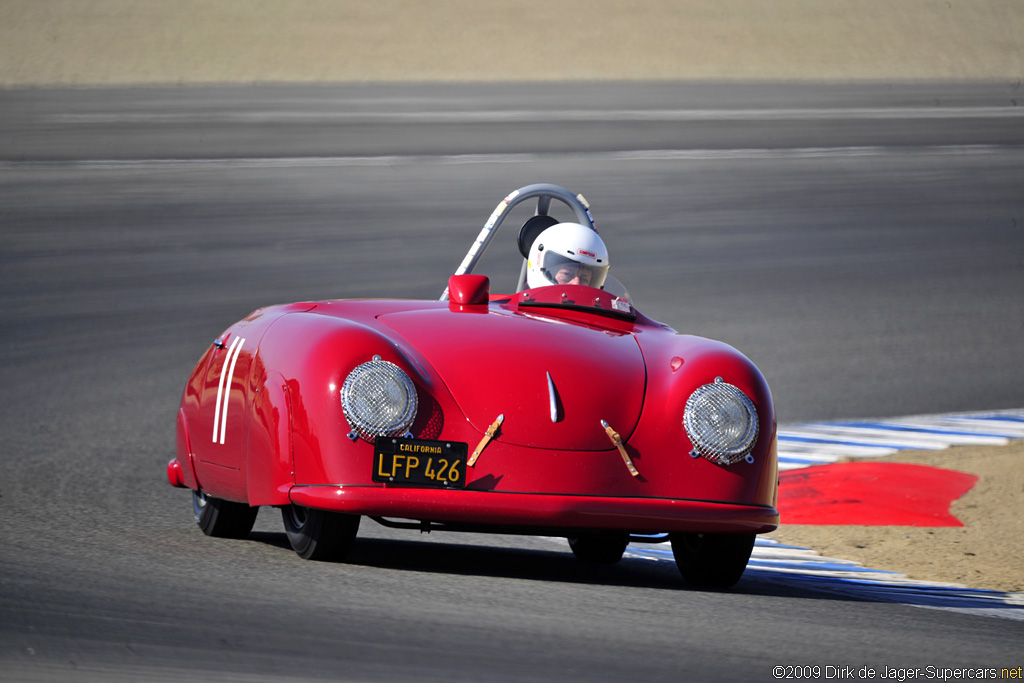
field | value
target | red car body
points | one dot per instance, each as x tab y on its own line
261	423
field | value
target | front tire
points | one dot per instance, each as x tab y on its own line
712	560
602	549
222	518
319	534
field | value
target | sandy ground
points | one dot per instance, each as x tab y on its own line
123	42
987	552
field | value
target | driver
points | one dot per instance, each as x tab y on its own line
567	254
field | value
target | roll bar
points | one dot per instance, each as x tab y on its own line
543	193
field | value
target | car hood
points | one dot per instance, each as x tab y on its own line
498	363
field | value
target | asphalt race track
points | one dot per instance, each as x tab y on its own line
862	244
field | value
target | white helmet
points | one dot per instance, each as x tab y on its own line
567	254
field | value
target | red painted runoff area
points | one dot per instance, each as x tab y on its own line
872	494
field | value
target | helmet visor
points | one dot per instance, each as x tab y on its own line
561	270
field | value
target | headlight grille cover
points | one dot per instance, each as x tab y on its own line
721	422
379	399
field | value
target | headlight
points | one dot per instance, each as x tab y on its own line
378	399
721	422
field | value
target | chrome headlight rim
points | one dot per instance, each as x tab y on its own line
721	422
378	398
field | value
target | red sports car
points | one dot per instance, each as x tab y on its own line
558	410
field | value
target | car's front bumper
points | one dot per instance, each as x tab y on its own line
490	508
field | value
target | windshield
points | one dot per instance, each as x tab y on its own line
579	298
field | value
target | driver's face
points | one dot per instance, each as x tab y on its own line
572	274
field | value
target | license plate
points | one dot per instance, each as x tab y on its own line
420	462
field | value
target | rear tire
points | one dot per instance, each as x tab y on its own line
318	534
599	549
712	560
222	518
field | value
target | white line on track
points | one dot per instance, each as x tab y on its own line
455	159
546	116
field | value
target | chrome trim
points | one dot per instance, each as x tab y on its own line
553	400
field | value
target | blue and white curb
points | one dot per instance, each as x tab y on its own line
792	566
818	443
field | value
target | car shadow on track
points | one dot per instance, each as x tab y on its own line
532	564
508	562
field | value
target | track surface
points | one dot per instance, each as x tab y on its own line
861	244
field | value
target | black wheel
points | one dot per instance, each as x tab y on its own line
599	549
712	560
318	534
222	518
